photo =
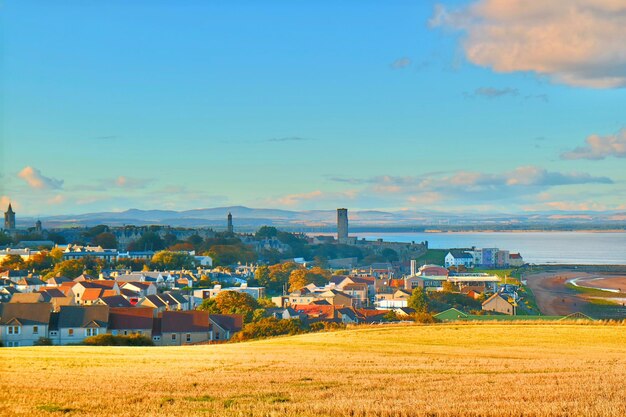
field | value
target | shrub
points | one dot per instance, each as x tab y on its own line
110	340
268	327
43	341
424	318
326	326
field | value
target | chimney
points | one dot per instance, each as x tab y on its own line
413	267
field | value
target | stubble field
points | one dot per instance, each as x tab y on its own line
401	370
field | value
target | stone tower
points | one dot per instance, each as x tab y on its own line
230	223
342	225
9	218
38	226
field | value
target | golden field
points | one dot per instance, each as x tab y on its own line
485	369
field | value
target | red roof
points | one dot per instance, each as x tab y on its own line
126	318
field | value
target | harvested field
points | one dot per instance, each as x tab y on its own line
397	370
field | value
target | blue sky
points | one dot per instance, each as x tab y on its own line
305	105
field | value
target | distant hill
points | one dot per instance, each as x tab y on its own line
246	218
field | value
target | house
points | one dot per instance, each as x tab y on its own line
7	293
499	303
114	301
358	292
404	312
168	301
458	258
22	324
124	321
225	325
30	284
27	297
78	290
183	328
516	260
426	282
255	292
72	324
287	313
143	289
396	299
56	281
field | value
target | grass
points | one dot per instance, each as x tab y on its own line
433	257
593	291
458	369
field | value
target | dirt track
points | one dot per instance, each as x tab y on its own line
553	297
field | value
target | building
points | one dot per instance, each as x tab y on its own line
73	324
230	228
458	258
515	259
342	225
22	324
9	218
500	304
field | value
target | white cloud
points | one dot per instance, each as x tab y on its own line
600	147
35	179
575	42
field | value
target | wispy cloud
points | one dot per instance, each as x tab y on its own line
131	183
600	147
109	137
290	139
492	92
35	179
401	63
575	42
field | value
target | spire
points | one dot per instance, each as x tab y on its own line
10	209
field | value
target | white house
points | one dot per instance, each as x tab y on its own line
459	258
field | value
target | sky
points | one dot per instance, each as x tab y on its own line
472	106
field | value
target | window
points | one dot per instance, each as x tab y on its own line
173	336
91	332
125	332
156	338
35	329
53	333
188	337
70	332
13	344
13	330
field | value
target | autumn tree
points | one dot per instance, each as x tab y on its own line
231	302
300	278
13	262
418	300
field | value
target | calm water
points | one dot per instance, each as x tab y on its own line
535	247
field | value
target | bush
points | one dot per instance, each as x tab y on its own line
43	341
268	327
110	340
326	326
424	318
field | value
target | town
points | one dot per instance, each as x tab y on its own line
173	287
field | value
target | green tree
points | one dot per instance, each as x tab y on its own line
418	300
266	232
165	260
105	239
224	255
148	241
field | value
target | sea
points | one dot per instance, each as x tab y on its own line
583	248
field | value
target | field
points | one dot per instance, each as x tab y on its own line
395	370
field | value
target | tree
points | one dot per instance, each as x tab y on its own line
40	261
70	268
275	277
231	302
57	255
300	278
231	254
266	232
418	301
186	246
5	239
269	326
106	240
13	262
195	240
165	260
147	241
